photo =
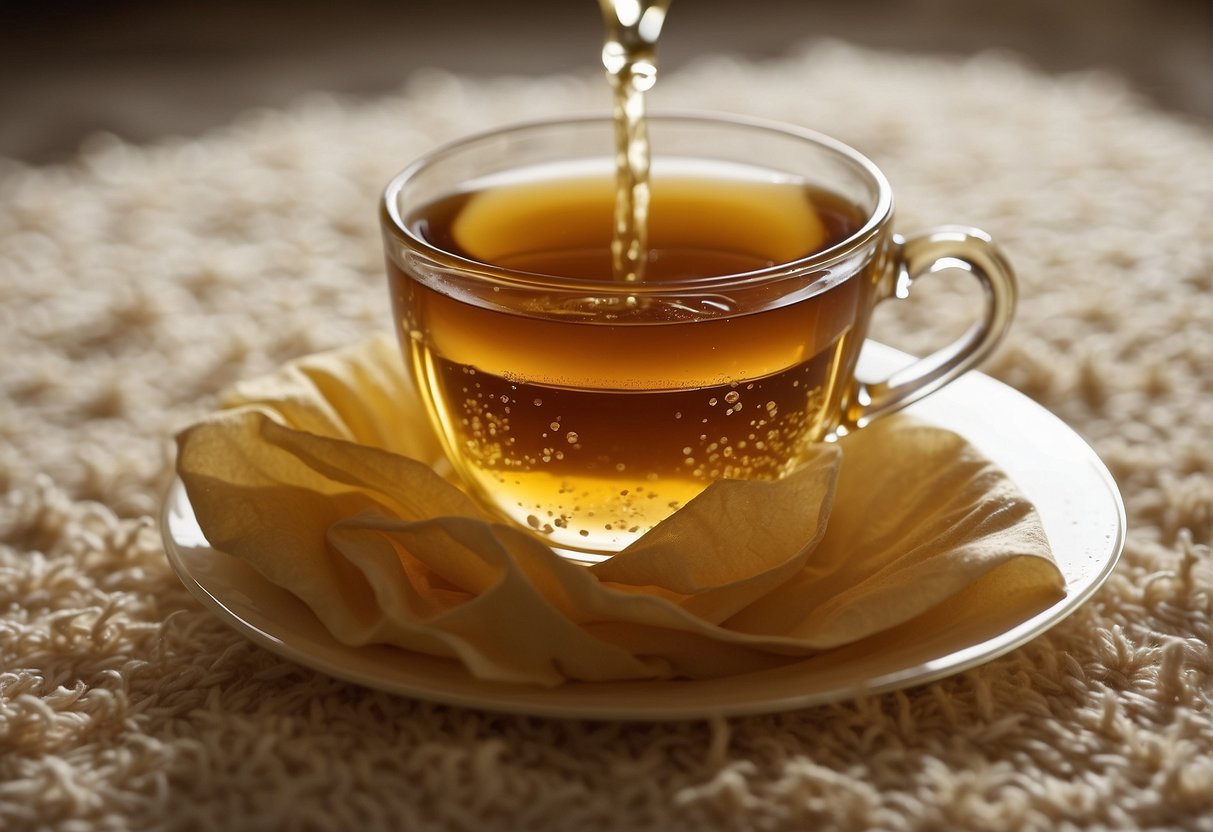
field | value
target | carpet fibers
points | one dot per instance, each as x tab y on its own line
137	282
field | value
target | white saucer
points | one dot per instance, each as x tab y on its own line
1073	492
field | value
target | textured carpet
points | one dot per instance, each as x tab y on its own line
136	282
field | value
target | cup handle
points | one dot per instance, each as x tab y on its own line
950	247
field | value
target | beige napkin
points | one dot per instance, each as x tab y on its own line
325	477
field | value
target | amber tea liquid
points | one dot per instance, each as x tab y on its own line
590	416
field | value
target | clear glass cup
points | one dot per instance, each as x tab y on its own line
587	409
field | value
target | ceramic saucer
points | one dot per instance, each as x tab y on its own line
1074	494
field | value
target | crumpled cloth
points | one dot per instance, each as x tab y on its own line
326	477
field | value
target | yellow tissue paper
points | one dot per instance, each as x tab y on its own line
326	477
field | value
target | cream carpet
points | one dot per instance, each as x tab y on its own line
136	282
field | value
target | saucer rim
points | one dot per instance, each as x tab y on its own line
1090	523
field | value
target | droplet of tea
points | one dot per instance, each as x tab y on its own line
572	437
732	396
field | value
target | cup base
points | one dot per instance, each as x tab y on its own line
582	558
